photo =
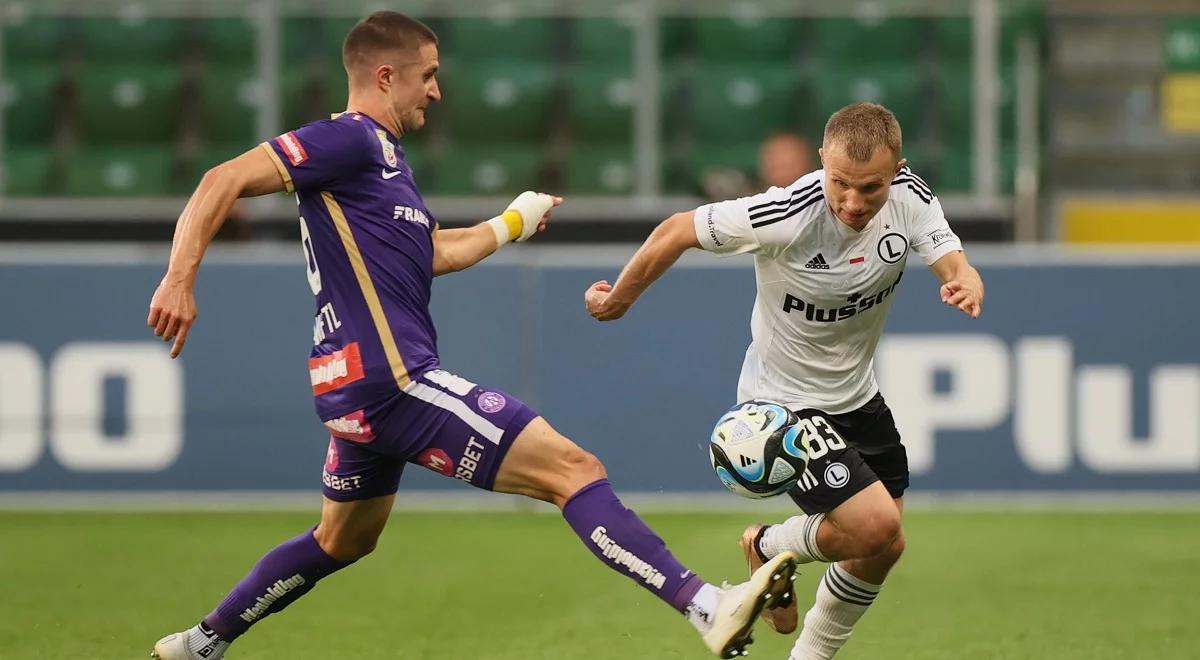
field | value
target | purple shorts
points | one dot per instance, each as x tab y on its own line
440	421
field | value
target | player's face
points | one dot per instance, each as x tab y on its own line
857	190
415	86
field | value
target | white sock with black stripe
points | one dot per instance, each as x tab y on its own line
842	599
798	534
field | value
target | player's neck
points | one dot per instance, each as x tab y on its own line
378	115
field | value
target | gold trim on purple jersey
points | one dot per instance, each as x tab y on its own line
283	171
399	371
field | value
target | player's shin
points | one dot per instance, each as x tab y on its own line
619	538
841	601
282	575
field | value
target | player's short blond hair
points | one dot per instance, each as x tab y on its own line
381	32
860	128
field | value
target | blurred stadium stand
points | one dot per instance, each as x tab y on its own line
112	110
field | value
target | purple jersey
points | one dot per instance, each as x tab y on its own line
368	243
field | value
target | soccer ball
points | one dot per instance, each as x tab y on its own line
754	450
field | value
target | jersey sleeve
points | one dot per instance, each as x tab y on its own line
931	235
758	224
316	155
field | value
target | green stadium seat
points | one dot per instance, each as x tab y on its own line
149	39
30	103
497	169
747	37
211	155
746	100
33	38
600	169
28	171
128	103
300	90
897	86
485	39
603	39
601	101
120	172
230	99
230	40
956	107
301	39
498	101
707	156
852	40
954	171
1181	43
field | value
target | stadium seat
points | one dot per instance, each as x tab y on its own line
955	102
601	101
301	36
27	171
141	39
897	86
749	37
116	172
716	155
485	39
300	91
33	38
603	39
954	172
230	98
30	103
883	39
230	40
1181	43
211	155
746	100
128	103
498	169
499	101
600	169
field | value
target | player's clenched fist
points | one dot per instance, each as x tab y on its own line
172	311
600	305
524	217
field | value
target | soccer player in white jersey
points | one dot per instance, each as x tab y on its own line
829	251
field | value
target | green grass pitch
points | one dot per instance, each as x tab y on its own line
519	586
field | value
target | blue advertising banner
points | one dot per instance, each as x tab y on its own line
1081	375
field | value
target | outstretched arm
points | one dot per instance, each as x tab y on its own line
670	239
962	287
173	307
459	249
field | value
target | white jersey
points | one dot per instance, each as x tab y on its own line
824	290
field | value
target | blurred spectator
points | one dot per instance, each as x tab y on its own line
782	158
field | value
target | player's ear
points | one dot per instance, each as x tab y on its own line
821	155
385	75
900	164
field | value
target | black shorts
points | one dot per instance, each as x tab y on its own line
872	452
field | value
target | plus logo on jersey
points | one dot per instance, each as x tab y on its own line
858	304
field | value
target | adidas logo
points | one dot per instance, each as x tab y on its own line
747	461
817	263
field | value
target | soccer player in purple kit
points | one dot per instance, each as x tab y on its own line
372	249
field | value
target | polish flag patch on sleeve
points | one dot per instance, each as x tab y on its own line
292	147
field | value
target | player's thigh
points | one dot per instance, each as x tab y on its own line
546	465
350	529
872	429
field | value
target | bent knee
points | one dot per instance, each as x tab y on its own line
345	546
582	465
881	534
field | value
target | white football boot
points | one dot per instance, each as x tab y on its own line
192	644
739	605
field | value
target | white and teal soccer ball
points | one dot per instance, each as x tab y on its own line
754	449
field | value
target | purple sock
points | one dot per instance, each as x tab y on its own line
280	577
620	539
